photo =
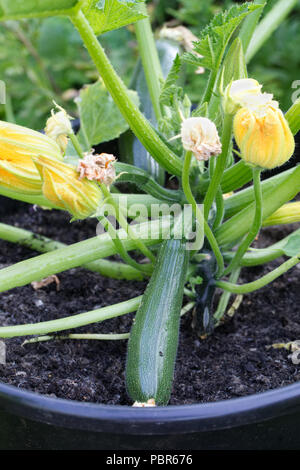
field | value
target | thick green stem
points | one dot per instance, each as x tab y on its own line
220	165
138	123
42	244
141	178
38	199
150	60
198	214
263	281
256	225
79	254
75	321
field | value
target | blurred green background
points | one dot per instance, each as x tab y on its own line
42	60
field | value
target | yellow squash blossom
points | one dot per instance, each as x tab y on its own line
17	147
63	187
263	135
59	127
287	214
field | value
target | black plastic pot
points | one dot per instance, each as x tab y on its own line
269	420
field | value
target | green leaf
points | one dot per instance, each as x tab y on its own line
292	246
106	15
100	119
18	9
216	36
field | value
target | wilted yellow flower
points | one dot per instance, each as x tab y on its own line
200	136
263	136
17	147
98	168
58	127
62	186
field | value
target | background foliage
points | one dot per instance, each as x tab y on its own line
42	60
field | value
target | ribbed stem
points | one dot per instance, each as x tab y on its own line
138	123
78	254
42	244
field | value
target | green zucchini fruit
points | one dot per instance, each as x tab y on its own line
153	341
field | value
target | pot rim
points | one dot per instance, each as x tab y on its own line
117	419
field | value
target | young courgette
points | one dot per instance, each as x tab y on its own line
153	341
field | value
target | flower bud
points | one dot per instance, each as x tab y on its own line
200	136
17	145
244	93
62	186
58	127
263	136
98	168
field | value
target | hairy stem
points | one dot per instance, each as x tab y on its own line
138	123
43	244
78	254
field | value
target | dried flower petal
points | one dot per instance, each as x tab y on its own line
98	168
200	136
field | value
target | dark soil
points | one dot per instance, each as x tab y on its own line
233	362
